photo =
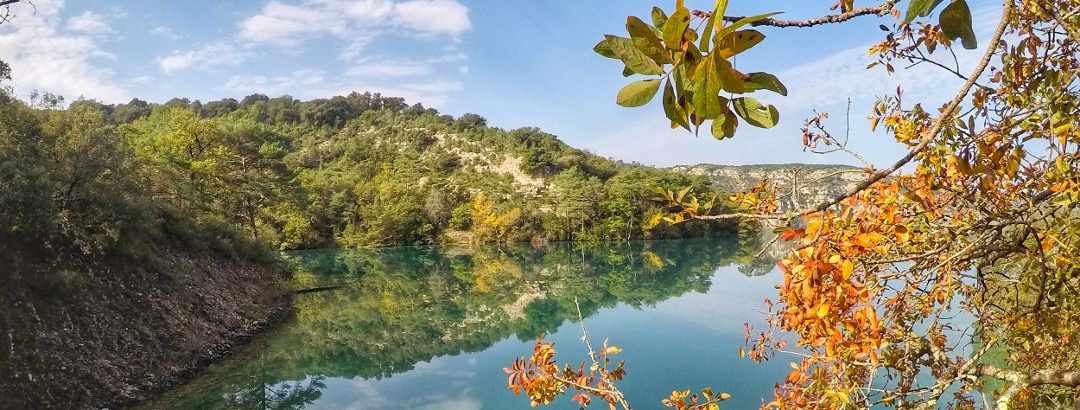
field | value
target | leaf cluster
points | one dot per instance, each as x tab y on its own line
694	68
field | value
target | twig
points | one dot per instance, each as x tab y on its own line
595	361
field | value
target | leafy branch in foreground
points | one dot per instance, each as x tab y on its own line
698	73
541	379
951	275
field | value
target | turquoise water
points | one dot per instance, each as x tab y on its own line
433	328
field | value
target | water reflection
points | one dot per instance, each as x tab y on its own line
403	307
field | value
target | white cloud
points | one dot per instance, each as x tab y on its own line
276	85
382	69
164	32
208	56
43	58
388	68
283	23
287	24
89	23
433	16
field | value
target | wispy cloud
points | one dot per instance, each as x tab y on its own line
345	28
65	62
89	23
390	68
276	85
164	32
206	57
289	24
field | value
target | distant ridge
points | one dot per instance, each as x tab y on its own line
816	182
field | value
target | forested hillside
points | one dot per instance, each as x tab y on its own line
366	170
145	232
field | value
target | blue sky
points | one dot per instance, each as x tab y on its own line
517	63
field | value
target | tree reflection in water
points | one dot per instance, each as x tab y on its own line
401	306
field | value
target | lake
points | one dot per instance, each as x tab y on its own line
433	328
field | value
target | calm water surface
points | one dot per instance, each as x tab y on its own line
433	328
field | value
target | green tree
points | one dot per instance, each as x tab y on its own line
91	167
182	156
574	199
25	193
255	174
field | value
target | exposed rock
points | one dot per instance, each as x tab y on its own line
816	183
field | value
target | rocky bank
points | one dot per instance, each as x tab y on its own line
91	333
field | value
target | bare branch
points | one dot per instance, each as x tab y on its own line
879	11
740	216
1021	380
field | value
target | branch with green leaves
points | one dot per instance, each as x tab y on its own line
699	80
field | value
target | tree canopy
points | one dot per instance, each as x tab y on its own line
950	276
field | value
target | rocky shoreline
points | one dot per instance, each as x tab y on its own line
93	336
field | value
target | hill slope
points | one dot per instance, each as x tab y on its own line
366	170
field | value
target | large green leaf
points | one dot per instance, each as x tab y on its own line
604	48
765	81
724	125
706	89
638	93
717	17
659	17
646	41
730	79
955	22
688	63
672	109
675	28
764	116
633	58
920	8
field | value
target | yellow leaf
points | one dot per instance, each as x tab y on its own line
843	396
612	350
823	310
738	42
